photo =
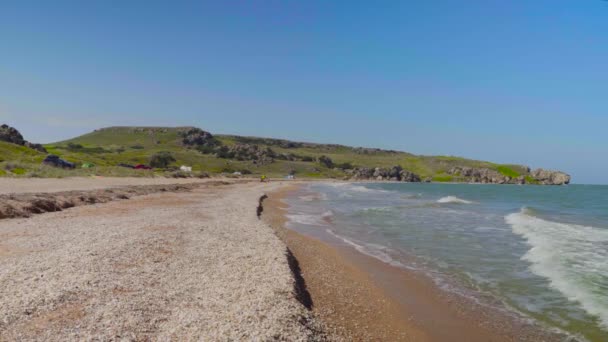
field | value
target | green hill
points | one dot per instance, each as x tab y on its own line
108	147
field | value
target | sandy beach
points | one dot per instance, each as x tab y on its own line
167	266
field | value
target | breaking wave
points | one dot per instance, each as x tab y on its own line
453	199
572	257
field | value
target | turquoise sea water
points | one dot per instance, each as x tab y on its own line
541	251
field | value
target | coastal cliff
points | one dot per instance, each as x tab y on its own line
461	174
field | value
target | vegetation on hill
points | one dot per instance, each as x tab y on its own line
108	147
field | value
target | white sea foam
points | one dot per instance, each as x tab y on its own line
373	250
572	257
453	199
319	196
327	214
356	188
307	219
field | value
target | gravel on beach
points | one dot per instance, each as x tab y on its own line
167	266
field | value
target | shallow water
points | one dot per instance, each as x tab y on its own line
541	251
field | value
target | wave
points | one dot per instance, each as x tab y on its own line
356	188
572	257
307	219
375	251
453	199
319	196
377	210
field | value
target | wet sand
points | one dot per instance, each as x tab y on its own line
362	298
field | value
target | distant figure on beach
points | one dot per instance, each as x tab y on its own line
263	178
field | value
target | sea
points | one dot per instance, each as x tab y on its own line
540	252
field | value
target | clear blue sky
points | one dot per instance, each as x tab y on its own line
507	81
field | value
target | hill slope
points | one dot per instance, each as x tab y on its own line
133	145
110	147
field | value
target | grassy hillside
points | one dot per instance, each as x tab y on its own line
108	147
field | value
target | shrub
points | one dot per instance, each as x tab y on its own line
161	159
308	159
137	147
201	174
345	166
9	166
179	174
530	180
245	172
206	149
326	161
507	171
19	171
443	178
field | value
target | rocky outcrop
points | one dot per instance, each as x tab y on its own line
395	173
480	175
196	137
486	175
407	176
259	156
548	177
12	135
363	173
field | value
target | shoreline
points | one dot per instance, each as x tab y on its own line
362	298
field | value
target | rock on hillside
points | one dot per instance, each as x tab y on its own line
197	137
485	175
548	177
395	173
259	155
12	135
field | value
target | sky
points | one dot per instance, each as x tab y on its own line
506	81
